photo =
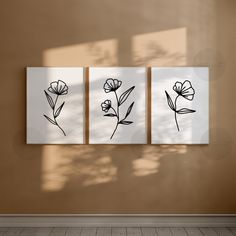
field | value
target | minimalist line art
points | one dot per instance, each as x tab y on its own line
111	85
58	88
185	90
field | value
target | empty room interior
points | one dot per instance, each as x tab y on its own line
118	118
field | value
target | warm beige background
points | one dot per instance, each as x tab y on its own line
118	179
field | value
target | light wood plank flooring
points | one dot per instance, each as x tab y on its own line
131	231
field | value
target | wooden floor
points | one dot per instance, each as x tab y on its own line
133	231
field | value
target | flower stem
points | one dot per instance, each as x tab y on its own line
55	117
117	115
176	121
60	127
117	105
55	104
114	111
114	130
176	113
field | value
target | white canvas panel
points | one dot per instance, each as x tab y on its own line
55	105
117	105
180	105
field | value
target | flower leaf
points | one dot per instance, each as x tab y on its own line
110	114
185	111
170	102
125	122
129	110
125	95
57	113
50	100
50	120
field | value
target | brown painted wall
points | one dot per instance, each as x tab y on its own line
112	178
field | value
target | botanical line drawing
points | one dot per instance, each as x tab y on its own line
58	88
185	90
111	85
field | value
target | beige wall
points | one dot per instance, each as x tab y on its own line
112	178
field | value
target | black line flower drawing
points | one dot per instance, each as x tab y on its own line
185	90
58	88
111	85
106	105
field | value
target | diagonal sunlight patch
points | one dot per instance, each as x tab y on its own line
62	165
83	165
88	165
149	163
98	53
162	48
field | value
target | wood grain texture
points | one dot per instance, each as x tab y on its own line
118	231
149	232
3	231
13	231
73	231
193	232
88	232
164	232
134	231
36	232
224	232
104	231
178	232
58	231
208	232
107	231
233	230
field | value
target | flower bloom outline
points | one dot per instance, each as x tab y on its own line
106	105
184	89
111	85
58	87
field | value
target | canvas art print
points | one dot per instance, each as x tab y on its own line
180	105
55	105
117	105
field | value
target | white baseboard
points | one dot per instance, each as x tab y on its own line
107	220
